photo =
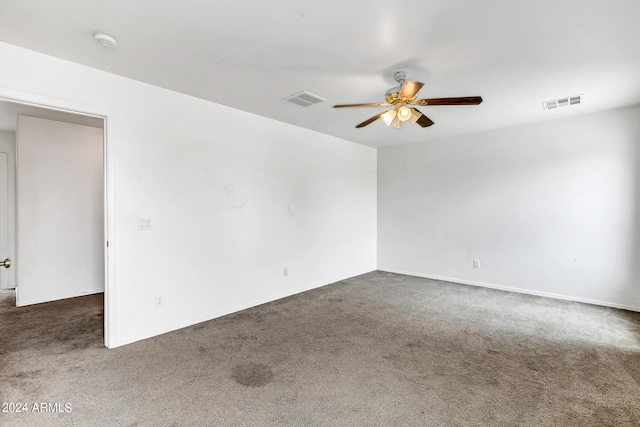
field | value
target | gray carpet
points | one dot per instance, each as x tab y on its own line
379	349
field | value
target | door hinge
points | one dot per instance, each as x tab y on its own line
107	243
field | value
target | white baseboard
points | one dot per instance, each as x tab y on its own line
510	289
214	315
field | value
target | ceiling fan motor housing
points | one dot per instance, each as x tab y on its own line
400	76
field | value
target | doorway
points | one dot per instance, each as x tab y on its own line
54	210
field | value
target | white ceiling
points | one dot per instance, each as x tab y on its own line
250	54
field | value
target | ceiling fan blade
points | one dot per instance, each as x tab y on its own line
379	104
409	89
419	118
371	120
467	100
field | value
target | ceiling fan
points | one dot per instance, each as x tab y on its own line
402	98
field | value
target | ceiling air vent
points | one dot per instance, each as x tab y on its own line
562	102
304	99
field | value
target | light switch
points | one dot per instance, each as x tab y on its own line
144	223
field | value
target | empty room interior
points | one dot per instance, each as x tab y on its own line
298	213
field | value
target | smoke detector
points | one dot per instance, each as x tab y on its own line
105	40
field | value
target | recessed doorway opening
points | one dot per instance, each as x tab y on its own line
53	209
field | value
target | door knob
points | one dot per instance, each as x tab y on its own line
6	263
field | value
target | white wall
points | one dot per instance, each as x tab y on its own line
60	210
550	209
234	198
8	145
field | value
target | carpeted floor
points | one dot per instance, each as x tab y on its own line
379	349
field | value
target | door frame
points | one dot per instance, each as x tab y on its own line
4	211
108	116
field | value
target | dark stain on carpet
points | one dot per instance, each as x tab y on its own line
252	374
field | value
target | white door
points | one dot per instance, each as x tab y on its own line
60	210
6	279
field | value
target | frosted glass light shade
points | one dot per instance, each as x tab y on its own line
397	123
388	117
404	113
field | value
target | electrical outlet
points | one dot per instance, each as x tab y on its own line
158	301
476	263
285	271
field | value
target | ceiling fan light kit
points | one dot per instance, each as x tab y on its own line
402	98
404	113
388	116
396	122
